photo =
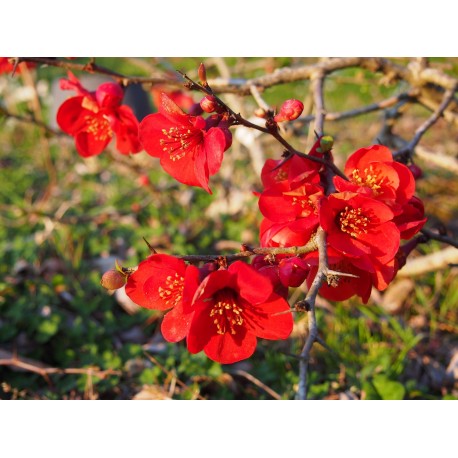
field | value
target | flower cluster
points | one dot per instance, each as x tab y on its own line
94	117
364	219
221	311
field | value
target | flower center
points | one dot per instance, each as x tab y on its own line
281	175
226	314
172	292
179	140
99	127
353	222
369	178
306	203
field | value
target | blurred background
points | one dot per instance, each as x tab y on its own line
64	220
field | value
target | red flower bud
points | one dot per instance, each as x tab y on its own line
417	172
202	74
113	279
143	180
290	110
208	104
109	95
293	271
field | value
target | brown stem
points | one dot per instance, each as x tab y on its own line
317	84
309	303
440	238
409	148
272	251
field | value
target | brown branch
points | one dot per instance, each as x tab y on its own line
249	251
383	104
309	304
31	120
317	85
45	371
256	382
440	238
409	148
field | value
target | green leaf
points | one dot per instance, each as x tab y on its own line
388	389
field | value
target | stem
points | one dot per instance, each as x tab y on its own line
309	303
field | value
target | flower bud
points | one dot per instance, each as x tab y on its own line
289	111
326	144
109	95
113	279
143	180
293	271
208	104
202	74
260	113
417	172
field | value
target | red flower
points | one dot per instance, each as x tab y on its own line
341	288
295	170
94	117
411	219
289	233
233	308
373	172
159	284
182	99
288	203
360	227
188	151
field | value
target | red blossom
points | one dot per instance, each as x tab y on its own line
289	233
373	172
188	151
94	117
182	99
232	308
359	227
159	284
294	170
288	203
411	219
340	288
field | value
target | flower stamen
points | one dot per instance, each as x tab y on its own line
353	221
172	293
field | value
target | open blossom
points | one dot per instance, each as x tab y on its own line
159	284
373	171
188	148
360	227
93	118
232	308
